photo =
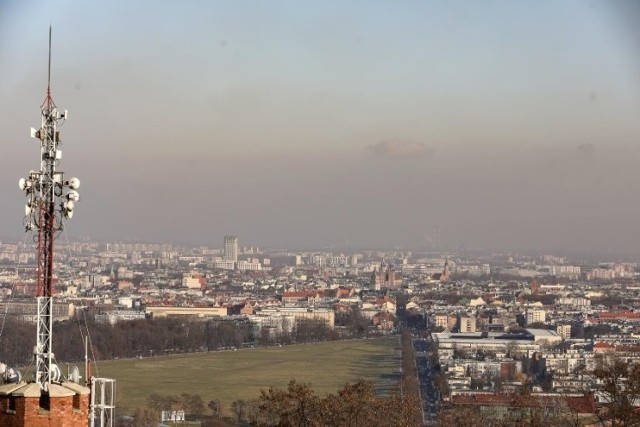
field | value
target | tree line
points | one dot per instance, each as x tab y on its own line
410	382
160	336
354	405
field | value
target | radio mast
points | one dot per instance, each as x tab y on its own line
50	200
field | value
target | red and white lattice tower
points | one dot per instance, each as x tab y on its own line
50	200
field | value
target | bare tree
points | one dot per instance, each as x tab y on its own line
296	406
621	389
145	417
216	408
238	409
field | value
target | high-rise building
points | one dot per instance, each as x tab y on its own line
231	248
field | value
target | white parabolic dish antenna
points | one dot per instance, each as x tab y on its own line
75	375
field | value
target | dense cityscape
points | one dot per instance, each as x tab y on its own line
486	327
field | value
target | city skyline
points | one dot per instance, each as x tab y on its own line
502	125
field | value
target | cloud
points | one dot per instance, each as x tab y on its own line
399	148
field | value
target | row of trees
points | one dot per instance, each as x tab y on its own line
152	337
410	382
354	405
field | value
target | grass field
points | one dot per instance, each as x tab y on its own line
233	375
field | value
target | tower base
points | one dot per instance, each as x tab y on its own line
24	405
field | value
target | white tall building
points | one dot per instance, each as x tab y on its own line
231	248
536	315
467	323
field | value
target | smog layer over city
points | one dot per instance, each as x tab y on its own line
505	125
320	213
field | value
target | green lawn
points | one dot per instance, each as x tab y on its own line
232	375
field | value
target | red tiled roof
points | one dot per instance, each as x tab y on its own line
603	345
299	294
618	315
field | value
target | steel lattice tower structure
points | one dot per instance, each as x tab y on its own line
50	200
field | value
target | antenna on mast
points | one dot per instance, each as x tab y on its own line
50	200
49	69
48	101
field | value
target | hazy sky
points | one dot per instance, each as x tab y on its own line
309	123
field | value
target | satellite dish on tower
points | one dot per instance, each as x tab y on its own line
75	375
13	376
55	373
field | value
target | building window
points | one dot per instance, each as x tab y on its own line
76	402
45	402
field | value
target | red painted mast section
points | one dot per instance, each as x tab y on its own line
47	209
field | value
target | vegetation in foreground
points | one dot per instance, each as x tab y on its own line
298	405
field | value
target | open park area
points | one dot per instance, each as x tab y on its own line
231	375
